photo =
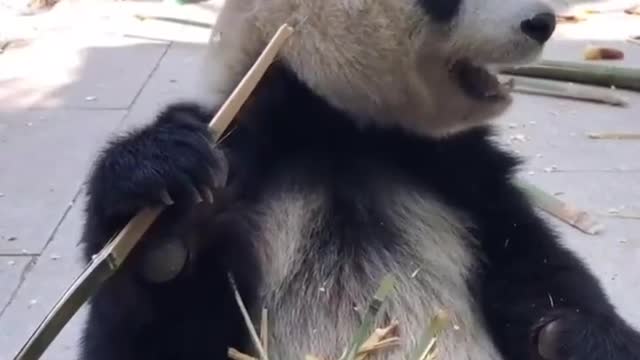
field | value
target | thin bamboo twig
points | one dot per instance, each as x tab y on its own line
264	330
565	90
247	320
109	259
594	74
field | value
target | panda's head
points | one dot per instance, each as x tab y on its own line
419	64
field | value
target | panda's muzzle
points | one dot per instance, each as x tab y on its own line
477	82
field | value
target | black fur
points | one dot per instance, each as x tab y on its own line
441	10
290	137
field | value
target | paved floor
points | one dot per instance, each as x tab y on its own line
86	71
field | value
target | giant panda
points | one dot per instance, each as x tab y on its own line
366	150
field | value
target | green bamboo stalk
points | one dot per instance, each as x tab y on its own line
567	213
593	74
561	89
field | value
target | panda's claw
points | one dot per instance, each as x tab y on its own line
166	198
171	161
207	194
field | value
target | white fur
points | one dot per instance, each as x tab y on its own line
489	31
386	63
383	61
431	264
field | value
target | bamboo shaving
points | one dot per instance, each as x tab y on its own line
380	339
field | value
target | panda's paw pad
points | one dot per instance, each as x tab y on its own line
571	335
550	340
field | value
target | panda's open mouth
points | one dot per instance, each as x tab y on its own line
478	82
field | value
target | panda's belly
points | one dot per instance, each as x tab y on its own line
314	293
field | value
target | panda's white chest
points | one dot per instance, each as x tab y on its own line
315	298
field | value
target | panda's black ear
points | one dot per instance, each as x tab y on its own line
441	10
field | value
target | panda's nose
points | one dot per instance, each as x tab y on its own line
540	27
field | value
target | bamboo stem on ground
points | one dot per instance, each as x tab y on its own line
565	90
594	74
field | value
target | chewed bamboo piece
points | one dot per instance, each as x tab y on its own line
380	339
567	213
109	259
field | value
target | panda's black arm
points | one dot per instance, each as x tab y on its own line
539	298
527	279
132	318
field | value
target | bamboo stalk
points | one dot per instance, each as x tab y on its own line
577	218
109	259
614	136
565	90
594	74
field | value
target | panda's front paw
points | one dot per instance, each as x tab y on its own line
171	161
571	335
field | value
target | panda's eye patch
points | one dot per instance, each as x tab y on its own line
441	10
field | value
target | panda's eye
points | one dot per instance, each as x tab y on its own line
441	10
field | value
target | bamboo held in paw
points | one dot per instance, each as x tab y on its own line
109	259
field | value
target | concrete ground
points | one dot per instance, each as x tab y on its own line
73	76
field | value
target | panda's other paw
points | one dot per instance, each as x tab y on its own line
573	336
170	161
